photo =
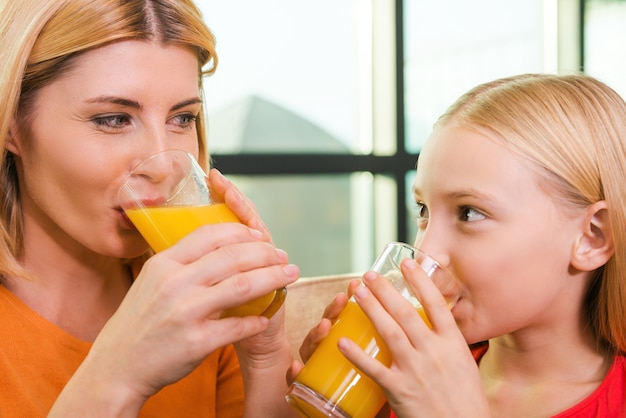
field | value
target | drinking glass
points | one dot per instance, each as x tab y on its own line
329	385
166	197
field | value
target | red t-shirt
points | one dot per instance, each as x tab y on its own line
608	400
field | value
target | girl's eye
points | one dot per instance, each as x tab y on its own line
112	121
469	214
422	210
421	214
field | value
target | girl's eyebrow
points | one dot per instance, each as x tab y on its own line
460	194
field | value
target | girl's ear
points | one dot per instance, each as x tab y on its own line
13	139
594	246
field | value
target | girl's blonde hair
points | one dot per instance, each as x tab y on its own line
40	41
573	129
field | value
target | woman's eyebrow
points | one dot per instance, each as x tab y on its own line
116	100
136	105
184	103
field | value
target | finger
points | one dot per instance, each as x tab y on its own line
313	338
395	318
208	238
292	372
363	361
352	286
231	259
334	308
385	307
433	302
243	207
218	184
245	286
213	334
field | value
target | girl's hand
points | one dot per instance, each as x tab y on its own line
321	330
430	366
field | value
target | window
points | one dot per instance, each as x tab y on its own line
605	42
318	109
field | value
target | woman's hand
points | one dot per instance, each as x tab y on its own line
169	320
223	190
263	356
430	366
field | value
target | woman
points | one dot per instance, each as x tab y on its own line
90	88
520	190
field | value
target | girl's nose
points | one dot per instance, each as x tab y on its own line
433	242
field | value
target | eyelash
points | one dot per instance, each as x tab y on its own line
120	121
111	121
464	210
464	213
191	120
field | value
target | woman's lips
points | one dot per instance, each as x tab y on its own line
126	220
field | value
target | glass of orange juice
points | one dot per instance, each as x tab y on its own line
166	196
329	385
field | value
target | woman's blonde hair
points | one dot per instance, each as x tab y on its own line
40	40
573	130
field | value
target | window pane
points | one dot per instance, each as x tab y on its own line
411	207
452	45
605	49
288	75
324	222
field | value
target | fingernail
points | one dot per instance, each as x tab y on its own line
291	270
238	195
410	264
256	234
360	292
215	173
343	343
370	276
282	254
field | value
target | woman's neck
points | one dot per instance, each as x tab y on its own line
76	292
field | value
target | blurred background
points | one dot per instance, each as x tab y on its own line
318	109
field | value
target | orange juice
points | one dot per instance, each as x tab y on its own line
331	375
164	226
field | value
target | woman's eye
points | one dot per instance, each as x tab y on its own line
112	121
185	120
469	214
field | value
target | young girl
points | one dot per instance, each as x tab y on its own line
521	194
90	88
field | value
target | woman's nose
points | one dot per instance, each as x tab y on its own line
156	167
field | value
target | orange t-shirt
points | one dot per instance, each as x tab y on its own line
37	359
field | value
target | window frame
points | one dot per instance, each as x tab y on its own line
394	166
